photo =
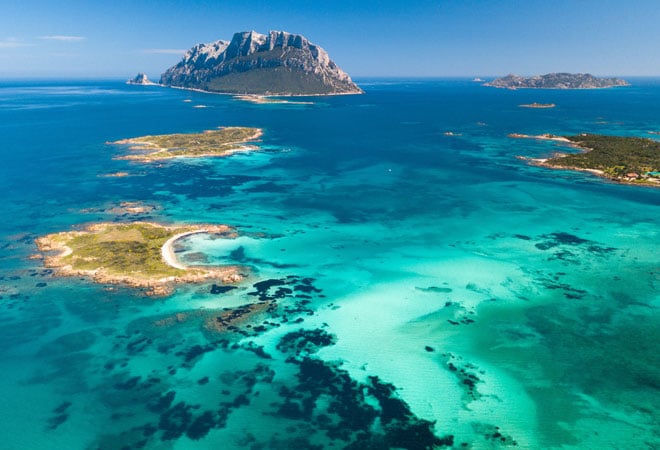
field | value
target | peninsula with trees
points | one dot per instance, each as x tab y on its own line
624	159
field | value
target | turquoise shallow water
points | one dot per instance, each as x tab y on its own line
416	289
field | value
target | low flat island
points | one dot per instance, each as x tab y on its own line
537	105
138	254
265	99
623	159
221	142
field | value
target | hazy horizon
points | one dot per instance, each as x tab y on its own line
428	39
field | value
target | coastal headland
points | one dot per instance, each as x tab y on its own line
624	159
211	143
138	254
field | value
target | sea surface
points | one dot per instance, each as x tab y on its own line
419	285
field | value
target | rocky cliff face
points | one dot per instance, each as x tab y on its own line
556	81
278	63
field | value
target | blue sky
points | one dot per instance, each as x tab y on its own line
46	38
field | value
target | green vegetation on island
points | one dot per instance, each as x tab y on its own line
624	159
221	142
138	254
268	81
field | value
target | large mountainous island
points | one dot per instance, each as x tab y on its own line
278	63
556	81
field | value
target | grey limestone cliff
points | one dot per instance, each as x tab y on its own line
556	81
278	63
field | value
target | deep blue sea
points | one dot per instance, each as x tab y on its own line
426	288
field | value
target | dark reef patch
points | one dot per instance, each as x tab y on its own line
175	421
440	290
201	425
194	353
554	283
69	343
360	415
222	289
295	289
239	256
563	239
60	415
493	435
465	372
305	341
162	403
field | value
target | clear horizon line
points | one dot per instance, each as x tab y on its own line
354	77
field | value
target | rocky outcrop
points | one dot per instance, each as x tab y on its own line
278	63
140	78
556	81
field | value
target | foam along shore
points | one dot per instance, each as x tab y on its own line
138	254
210	143
541	137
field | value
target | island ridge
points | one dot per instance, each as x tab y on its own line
556	81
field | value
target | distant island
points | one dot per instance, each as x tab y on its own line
630	160
140	78
556	81
537	105
137	254
210	143
278	64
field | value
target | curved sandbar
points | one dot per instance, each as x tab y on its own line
167	250
137	254
210	143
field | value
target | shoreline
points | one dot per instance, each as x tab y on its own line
167	250
236	94
543	137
